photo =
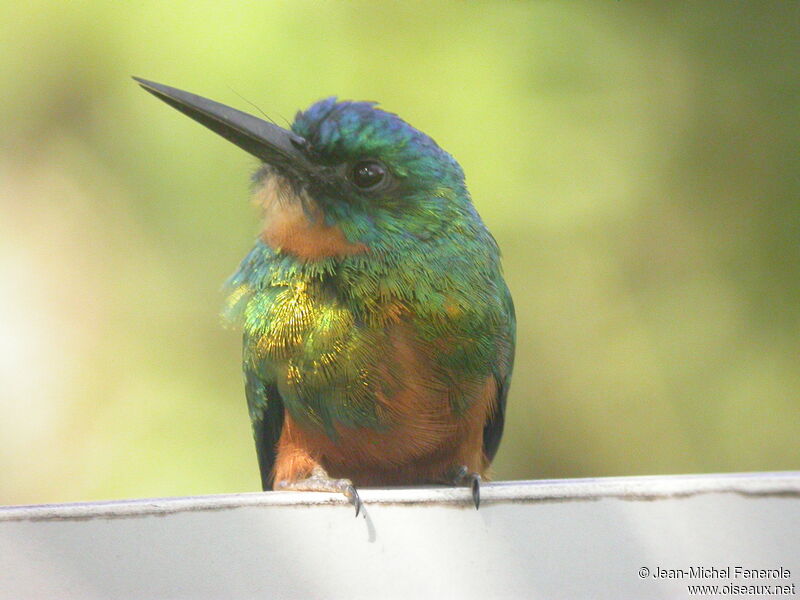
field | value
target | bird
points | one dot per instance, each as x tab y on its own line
378	330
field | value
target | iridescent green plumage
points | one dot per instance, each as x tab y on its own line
315	332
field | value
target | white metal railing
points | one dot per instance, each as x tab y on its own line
626	537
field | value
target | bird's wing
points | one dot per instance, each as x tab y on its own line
493	430
266	413
264	402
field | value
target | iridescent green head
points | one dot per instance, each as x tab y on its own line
379	178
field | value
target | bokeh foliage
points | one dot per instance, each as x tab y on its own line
637	162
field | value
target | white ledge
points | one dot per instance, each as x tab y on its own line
625	488
574	538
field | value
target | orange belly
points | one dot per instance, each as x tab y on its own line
393	457
424	441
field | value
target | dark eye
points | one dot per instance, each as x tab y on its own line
367	174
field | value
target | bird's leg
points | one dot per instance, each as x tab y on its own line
463	476
320	481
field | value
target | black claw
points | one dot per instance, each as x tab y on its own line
462	475
476	490
352	493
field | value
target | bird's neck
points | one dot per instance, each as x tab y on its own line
294	224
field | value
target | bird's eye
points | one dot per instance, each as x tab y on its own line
368	174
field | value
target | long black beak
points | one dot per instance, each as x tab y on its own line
270	143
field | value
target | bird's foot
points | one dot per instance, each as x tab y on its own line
320	481
463	476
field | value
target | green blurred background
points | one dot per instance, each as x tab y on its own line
637	162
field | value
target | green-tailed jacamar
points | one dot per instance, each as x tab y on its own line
378	329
